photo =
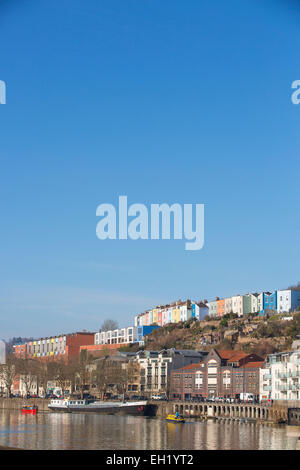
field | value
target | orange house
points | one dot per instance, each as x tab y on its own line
221	307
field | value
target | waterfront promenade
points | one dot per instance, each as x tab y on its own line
287	412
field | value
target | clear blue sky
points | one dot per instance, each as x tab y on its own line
163	101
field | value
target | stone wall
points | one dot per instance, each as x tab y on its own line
17	403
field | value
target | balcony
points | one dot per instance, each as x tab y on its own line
267	376
282	375
282	388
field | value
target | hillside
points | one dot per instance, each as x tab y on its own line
251	334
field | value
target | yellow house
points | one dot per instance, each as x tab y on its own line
176	314
154	315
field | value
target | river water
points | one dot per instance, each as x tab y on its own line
109	432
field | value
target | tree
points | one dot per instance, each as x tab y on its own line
109	325
100	375
8	372
28	370
45	373
62	373
82	371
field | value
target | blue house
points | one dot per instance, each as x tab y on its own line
142	331
269	302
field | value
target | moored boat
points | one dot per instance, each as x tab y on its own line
175	419
29	410
104	407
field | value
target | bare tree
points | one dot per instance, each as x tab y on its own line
61	374
101	376
45	373
83	372
8	372
28	370
109	325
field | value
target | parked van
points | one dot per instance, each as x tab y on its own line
248	397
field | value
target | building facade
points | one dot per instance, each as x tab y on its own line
62	346
221	374
288	300
156	366
280	376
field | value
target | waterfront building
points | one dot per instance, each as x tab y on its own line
280	376
288	300
62	346
156	366
221	373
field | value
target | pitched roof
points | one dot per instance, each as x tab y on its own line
190	366
253	365
231	354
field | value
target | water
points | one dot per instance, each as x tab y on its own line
92	431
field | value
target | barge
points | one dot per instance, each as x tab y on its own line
105	407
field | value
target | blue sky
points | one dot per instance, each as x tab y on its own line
169	101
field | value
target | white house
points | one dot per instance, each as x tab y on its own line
288	300
237	305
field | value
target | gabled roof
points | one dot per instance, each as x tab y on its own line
231	355
253	365
190	367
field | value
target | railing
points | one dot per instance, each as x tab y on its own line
286	375
282	388
267	376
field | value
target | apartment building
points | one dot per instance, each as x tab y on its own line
156	366
63	346
119	336
280	376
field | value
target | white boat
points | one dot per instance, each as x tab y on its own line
105	407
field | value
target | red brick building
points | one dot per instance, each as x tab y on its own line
221	374
55	347
97	350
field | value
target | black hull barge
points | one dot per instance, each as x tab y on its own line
140	408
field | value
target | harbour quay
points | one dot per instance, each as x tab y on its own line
278	413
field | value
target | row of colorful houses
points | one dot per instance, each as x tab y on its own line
277	301
280	301
173	313
180	311
69	346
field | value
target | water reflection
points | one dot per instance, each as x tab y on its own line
86	431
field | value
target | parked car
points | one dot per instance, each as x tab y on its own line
159	397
